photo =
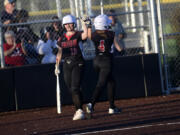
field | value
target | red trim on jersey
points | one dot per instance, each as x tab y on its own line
69	37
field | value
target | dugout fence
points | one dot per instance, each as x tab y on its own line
146	22
134	16
169	19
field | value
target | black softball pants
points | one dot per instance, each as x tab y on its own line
103	66
73	71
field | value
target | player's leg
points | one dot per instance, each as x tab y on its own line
76	82
67	71
103	69
76	91
102	79
111	93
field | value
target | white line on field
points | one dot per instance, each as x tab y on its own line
128	128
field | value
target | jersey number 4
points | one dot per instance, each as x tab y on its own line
101	46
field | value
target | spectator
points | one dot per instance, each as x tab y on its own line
47	45
8	15
32	57
117	27
57	28
14	53
25	30
27	37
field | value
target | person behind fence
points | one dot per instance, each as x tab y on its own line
57	28
27	37
73	64
120	33
8	15
25	29
14	53
103	62
46	46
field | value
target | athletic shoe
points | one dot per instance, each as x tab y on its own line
89	108
79	115
114	111
89	111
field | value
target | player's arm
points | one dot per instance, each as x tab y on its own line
8	52
86	24
84	35
59	56
7	22
58	60
116	44
89	33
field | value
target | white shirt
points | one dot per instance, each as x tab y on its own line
46	48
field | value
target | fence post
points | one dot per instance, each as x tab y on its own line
72	7
163	48
81	8
58	5
133	18
155	36
102	7
77	13
154	25
1	47
126	10
89	7
141	18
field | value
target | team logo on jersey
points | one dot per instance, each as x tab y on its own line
101	46
69	44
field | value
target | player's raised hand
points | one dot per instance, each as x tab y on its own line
86	19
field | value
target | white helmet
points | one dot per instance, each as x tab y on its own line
69	19
101	22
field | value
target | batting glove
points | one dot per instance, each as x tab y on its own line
57	71
87	21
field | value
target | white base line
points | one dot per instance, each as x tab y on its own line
128	128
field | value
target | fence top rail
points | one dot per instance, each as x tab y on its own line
57	20
131	12
137	27
30	22
51	21
172	34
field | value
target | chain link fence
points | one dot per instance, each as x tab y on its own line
171	31
133	15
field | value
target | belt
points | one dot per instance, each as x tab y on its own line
104	54
101	54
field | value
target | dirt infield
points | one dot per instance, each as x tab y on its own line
144	116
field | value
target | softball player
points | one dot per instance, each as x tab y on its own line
103	40
73	64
